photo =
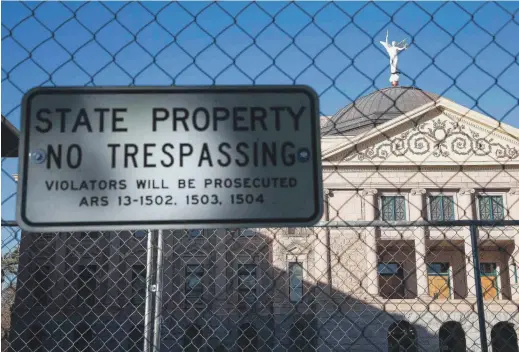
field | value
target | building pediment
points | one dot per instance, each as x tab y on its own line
445	134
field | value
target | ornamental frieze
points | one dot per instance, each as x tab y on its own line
439	139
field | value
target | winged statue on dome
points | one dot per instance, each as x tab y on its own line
393	49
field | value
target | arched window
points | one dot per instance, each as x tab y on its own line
401	336
504	338
193	340
452	337
248	339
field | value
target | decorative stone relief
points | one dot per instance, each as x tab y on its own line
440	139
467	191
514	192
292	247
369	192
417	191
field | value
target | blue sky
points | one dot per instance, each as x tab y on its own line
467	51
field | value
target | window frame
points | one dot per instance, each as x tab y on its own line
448	274
399	274
495	273
290	288
188	291
491	195
399	266
242	292
394	196
436	273
442	195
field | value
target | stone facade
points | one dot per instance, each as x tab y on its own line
346	304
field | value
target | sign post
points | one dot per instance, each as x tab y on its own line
130	158
137	158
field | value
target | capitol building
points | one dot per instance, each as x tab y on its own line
396	154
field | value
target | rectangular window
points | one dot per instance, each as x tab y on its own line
87	284
247	282
438	269
514	270
296	281
194	233
491	208
442	208
388	268
393	208
138	284
391	280
439	280
489	285
488	269
291	231
194	285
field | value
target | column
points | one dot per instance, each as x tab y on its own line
370	202
513	214
321	249
465	213
416	207
223	238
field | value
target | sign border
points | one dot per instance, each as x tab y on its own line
69	90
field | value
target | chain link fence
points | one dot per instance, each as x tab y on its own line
419	243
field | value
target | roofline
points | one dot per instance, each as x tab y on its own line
385	126
445	104
378	114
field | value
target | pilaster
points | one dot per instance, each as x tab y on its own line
371	281
416	207
465	211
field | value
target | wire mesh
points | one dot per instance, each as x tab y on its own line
393	157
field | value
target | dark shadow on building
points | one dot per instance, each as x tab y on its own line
223	291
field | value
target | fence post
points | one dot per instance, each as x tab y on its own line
158	294
149	295
479	290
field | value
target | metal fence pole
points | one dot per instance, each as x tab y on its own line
479	290
158	293
149	295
